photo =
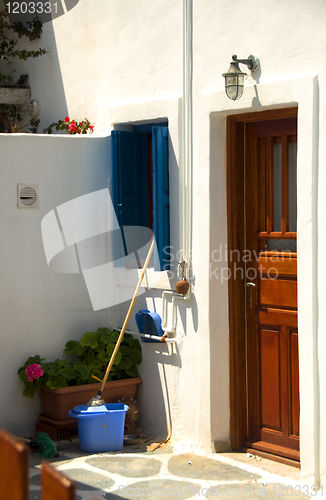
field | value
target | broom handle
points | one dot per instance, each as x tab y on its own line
127	317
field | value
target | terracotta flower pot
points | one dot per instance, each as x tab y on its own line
56	404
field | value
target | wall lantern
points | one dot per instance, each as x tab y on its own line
234	78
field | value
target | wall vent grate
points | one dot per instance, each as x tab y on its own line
27	196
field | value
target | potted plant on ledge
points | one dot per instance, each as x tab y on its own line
66	383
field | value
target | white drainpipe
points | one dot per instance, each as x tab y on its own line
186	163
185	175
185	179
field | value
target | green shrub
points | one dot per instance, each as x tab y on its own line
89	357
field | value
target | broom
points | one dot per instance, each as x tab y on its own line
43	443
97	400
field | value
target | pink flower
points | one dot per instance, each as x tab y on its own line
34	371
67	119
72	126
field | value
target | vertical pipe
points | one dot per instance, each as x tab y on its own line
186	171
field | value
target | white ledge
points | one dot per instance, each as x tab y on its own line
152	279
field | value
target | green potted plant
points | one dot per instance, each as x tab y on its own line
66	383
16	91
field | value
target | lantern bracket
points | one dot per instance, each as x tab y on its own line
252	62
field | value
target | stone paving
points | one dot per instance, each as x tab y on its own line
169	473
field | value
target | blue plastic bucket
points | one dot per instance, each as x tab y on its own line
100	428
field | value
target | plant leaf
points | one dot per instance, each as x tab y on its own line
84	370
90	339
132	371
73	347
22	374
57	383
30	390
124	350
110	348
126	363
127	338
69	372
117	358
105	335
90	357
95	364
115	335
135	354
104	356
53	369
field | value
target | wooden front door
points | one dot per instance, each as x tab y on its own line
267	244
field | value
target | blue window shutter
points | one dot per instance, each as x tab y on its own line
130	193
161	203
129	182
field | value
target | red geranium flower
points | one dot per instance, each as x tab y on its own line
34	371
67	119
72	126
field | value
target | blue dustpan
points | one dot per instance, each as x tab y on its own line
149	322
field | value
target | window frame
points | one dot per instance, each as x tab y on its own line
122	116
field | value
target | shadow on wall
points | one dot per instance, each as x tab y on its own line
193	306
45	76
46	82
39	319
156	396
159	371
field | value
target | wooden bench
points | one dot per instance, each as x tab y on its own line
13	468
14	465
55	485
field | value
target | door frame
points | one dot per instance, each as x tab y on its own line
235	155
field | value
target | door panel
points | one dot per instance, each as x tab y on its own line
271	286
280	293
269	354
276	264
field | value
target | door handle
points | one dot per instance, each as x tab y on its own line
250	285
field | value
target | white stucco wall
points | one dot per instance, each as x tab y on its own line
41	310
288	93
121	62
291	72
93	65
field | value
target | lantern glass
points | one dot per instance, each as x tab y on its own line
234	84
234	81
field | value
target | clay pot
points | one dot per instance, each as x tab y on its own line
56	404
182	287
